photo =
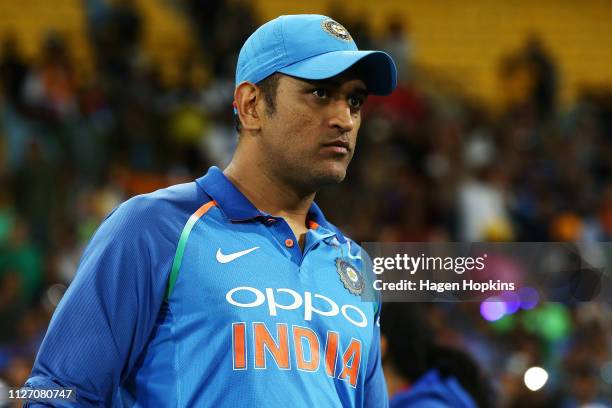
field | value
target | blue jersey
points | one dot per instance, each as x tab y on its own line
192	297
432	390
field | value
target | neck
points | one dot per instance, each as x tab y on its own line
267	191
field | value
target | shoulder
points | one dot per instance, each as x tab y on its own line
179	197
432	391
162	212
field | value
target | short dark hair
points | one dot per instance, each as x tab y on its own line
268	87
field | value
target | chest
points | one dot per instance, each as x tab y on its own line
243	291
249	276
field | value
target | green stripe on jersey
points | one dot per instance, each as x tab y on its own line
180	249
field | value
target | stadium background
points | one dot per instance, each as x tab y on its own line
501	129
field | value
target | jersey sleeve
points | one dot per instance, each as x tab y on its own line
375	385
107	314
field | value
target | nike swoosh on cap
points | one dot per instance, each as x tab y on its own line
223	258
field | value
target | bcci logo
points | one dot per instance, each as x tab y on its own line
334	28
350	277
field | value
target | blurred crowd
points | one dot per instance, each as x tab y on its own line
431	165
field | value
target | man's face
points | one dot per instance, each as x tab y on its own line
312	134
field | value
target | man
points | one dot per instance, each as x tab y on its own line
234	290
420	373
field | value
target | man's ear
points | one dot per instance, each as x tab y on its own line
245	97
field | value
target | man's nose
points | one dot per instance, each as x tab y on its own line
342	117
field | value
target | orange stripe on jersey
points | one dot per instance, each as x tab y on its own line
353	352
204	209
263	341
300	333
312	225
239	345
331	353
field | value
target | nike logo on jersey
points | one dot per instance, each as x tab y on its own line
222	258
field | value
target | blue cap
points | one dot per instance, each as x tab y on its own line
311	46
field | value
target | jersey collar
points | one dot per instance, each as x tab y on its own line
236	207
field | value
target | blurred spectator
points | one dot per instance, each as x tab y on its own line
222	27
115	28
13	74
21	277
530	80
396	41
13	71
483	209
422	373
544	76
33	185
51	87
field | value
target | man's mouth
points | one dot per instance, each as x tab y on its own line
338	146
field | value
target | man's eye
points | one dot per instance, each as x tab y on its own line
320	93
355	102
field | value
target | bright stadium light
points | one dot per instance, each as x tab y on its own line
535	378
493	309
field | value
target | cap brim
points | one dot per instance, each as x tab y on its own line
377	67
